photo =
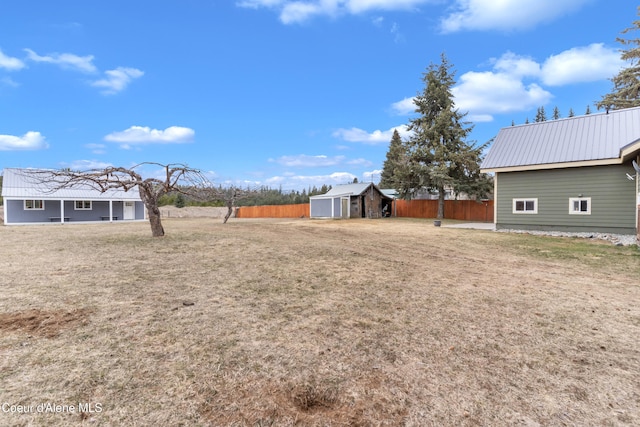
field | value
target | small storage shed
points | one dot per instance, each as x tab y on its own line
574	174
28	200
359	200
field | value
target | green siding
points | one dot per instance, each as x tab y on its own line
613	199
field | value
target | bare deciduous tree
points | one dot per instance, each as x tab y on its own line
228	195
231	195
175	177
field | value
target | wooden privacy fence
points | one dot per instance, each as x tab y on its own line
274	211
464	210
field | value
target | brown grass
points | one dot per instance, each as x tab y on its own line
317	323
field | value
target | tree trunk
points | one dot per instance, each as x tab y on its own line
441	195
155	221
229	212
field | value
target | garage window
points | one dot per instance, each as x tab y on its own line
525	206
580	206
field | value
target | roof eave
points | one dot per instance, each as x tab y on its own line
547	166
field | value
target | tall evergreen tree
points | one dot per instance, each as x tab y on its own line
439	158
588	111
541	115
626	84
556	113
393	161
571	113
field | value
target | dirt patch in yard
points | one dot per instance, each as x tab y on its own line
315	323
42	323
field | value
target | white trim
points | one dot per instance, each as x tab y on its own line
549	166
25	208
524	200
76	208
579	200
495	198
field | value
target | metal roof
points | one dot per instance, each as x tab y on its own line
349	190
24	184
593	137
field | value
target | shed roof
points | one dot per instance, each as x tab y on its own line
24	184
603	138
349	190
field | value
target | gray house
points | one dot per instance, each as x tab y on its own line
573	174
27	200
361	200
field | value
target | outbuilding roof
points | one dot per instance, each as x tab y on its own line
349	190
593	139
26	184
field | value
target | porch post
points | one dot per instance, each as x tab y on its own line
110	210
61	211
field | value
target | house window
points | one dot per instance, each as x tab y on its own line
36	205
580	206
83	205
525	206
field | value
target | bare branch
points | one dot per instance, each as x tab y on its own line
177	177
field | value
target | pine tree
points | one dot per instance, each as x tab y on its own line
438	156
393	161
571	113
626	85
556	113
180	202
541	115
588	111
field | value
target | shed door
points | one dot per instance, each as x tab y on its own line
129	211
345	208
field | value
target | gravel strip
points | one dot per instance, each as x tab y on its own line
616	239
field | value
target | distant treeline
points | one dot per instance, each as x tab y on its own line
261	196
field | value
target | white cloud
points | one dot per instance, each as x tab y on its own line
146	135
296	11
300	11
96	148
255	4
516	65
582	64
360	6
517	83
85	165
304	181
117	80
9	63
29	141
65	60
490	92
373	175
360	162
375	137
506	14
304	160
8	81
404	107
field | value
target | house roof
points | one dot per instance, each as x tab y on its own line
593	139
349	190
25	184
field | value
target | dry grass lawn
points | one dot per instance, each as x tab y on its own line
316	323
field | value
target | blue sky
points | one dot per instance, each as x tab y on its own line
282	93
